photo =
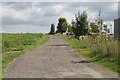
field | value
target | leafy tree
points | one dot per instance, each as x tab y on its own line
69	28
52	31
57	31
105	28
64	27
108	30
81	24
61	27
74	29
100	21
101	24
73	23
94	28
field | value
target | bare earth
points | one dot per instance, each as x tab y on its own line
54	59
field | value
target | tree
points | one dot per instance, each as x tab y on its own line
73	23
94	27
101	24
74	27
81	24
52	31
100	21
64	27
69	28
61	27
57	31
105	28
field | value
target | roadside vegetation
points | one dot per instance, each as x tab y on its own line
13	45
91	39
104	54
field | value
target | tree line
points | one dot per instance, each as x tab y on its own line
80	26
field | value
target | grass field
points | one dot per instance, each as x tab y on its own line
103	53
13	45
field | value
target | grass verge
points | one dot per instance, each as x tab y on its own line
103	55
34	40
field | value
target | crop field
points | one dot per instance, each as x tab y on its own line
18	42
13	45
103	52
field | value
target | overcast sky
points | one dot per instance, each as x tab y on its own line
38	16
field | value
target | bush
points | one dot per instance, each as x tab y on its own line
98	51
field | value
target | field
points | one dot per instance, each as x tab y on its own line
102	52
13	45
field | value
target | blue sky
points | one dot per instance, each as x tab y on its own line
38	16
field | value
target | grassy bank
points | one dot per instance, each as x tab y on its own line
13	45
103	53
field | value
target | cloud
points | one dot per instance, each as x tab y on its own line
69	16
18	5
25	29
119	9
39	15
60	0
11	21
10	12
58	8
109	9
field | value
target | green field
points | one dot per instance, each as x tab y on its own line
103	53
13	45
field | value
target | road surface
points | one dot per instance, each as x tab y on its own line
54	59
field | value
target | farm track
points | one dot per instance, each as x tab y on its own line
54	59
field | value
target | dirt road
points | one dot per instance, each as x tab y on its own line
54	59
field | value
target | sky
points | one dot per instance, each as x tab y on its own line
36	17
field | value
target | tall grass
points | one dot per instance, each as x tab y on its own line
107	53
100	50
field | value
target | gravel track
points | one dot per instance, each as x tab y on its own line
54	59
